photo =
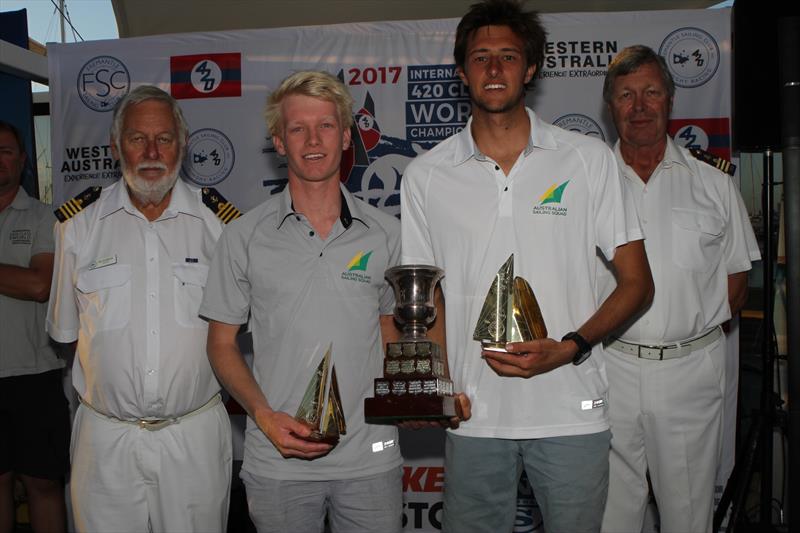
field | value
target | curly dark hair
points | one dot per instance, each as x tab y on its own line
525	25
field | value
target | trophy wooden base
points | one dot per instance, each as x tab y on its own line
394	409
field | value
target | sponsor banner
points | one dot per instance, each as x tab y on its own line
401	75
408	97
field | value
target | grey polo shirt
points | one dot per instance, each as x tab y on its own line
26	229
305	294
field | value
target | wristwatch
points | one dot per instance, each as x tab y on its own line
584	348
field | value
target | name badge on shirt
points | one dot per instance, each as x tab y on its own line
100	263
20	236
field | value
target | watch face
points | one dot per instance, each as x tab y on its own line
584	348
580	357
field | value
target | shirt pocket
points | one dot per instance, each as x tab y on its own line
696	239
188	285
104	296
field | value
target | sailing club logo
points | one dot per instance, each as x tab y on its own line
102	82
209	157
692	56
580	124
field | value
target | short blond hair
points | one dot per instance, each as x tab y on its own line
316	84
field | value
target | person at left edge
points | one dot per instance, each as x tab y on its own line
151	443
33	446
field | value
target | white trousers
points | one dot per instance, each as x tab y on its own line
666	418
176	479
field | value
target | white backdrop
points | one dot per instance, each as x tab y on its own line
408	98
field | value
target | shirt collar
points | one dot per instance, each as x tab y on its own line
350	209
22	200
540	137
180	201
672	156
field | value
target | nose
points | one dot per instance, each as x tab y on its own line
495	67
151	150
313	137
638	102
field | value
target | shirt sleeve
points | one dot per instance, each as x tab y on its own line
63	320
43	242
226	297
740	246
393	244
616	220
416	238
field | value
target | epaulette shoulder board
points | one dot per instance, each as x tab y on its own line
73	206
714	160
221	207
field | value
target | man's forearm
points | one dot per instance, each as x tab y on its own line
237	378
24	283
633	293
737	292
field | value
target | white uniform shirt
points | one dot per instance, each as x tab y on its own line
696	233
129	291
561	202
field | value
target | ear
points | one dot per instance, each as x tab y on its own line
462	76
346	138
279	146
531	70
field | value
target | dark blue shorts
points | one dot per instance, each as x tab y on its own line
34	417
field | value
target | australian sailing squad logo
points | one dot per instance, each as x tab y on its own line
357	268
550	201
692	56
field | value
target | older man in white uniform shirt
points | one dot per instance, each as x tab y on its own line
151	445
666	369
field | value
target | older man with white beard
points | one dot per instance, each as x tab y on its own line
151	444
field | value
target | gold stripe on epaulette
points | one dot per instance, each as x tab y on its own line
75	205
224	212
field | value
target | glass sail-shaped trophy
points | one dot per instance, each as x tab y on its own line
321	407
510	312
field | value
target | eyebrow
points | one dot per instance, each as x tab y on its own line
504	49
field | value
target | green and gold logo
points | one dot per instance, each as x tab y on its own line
359	261
551	196
356	266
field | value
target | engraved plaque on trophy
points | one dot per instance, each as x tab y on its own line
510	312
414	385
321	406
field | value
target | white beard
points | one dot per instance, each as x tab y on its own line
149	192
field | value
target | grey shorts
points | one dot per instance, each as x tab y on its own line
373	503
569	477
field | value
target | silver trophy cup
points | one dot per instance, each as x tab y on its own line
413	287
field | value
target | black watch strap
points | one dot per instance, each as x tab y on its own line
584	348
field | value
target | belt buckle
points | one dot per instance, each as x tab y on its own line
153	425
650	347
